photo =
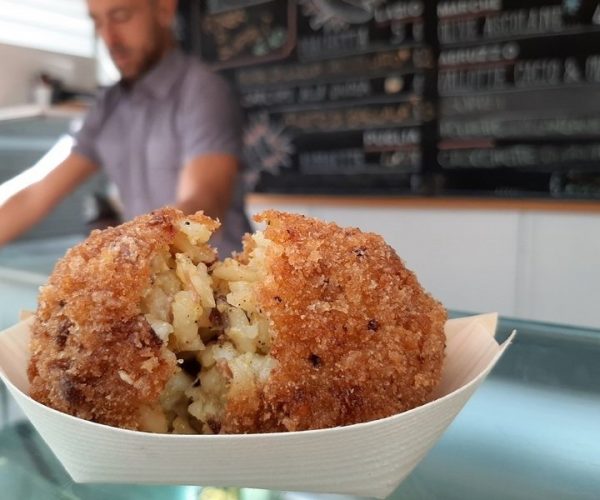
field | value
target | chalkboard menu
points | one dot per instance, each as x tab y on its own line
498	97
519	98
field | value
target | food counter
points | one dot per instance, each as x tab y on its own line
529	432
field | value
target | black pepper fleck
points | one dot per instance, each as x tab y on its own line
360	251
315	360
214	425
373	325
70	391
63	333
61	340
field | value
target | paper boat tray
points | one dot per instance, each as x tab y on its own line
369	459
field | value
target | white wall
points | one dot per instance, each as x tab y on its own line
19	66
536	265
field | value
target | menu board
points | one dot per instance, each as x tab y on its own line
519	96
337	94
494	97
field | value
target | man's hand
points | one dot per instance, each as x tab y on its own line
207	183
26	200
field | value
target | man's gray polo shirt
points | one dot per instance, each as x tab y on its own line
143	136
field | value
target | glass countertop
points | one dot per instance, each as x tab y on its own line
530	432
36	256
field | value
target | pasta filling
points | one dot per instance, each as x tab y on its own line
205	312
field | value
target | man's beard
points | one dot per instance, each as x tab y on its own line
150	58
149	61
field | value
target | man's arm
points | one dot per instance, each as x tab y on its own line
210	127
207	183
24	205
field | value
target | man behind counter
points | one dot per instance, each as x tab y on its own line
169	133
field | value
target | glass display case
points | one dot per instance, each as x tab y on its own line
531	431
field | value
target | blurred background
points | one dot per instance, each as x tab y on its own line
467	133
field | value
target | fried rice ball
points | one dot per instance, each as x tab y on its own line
94	353
311	326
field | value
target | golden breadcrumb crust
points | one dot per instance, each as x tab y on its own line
355	336
93	354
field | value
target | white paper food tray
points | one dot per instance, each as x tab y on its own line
369	459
